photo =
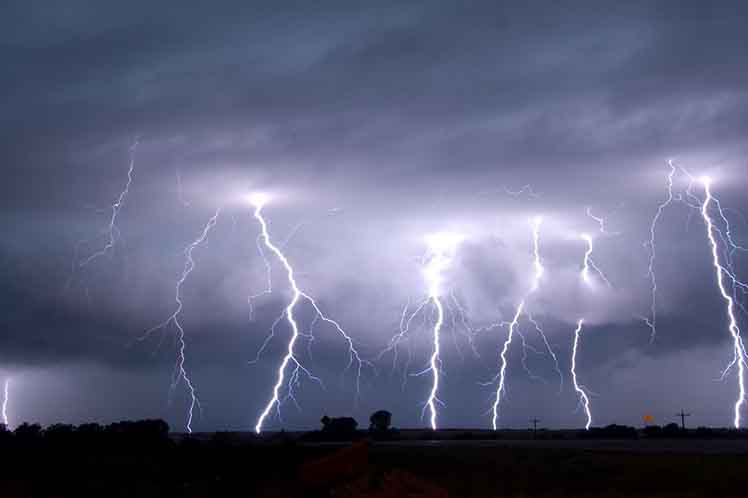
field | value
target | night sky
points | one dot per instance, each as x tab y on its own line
370	125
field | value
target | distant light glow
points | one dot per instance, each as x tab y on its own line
258	199
441	249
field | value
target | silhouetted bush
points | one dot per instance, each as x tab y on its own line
339	424
704	432
28	433
612	431
59	434
5	436
672	430
380	421
140	435
652	431
223	437
334	429
379	427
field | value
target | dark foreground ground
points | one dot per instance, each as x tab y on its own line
232	465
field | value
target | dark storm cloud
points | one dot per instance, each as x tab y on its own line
373	124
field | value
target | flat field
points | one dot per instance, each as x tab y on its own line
237	466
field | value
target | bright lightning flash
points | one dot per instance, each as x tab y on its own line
180	372
583	399
739	353
502	372
441	253
590	263
6	397
539	271
258	200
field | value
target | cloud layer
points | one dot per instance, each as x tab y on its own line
371	127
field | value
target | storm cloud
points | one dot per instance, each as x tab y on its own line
370	125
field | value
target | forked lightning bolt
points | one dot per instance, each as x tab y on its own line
548	348
739	353
539	270
583	399
259	201
112	231
437	259
180	372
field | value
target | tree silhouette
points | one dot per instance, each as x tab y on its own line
380	421
28	432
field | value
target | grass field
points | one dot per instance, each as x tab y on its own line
467	469
475	471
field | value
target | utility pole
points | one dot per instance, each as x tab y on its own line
683	416
535	427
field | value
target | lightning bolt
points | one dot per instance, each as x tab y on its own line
268	269
435	362
269	280
548	348
600	222
539	271
460	322
515	327
6	398
406	320
259	201
180	372
588	263
651	321
437	259
112	232
739	353
441	247
502	372
695	205
583	399
537	263
526	347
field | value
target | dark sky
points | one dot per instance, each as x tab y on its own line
371	125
